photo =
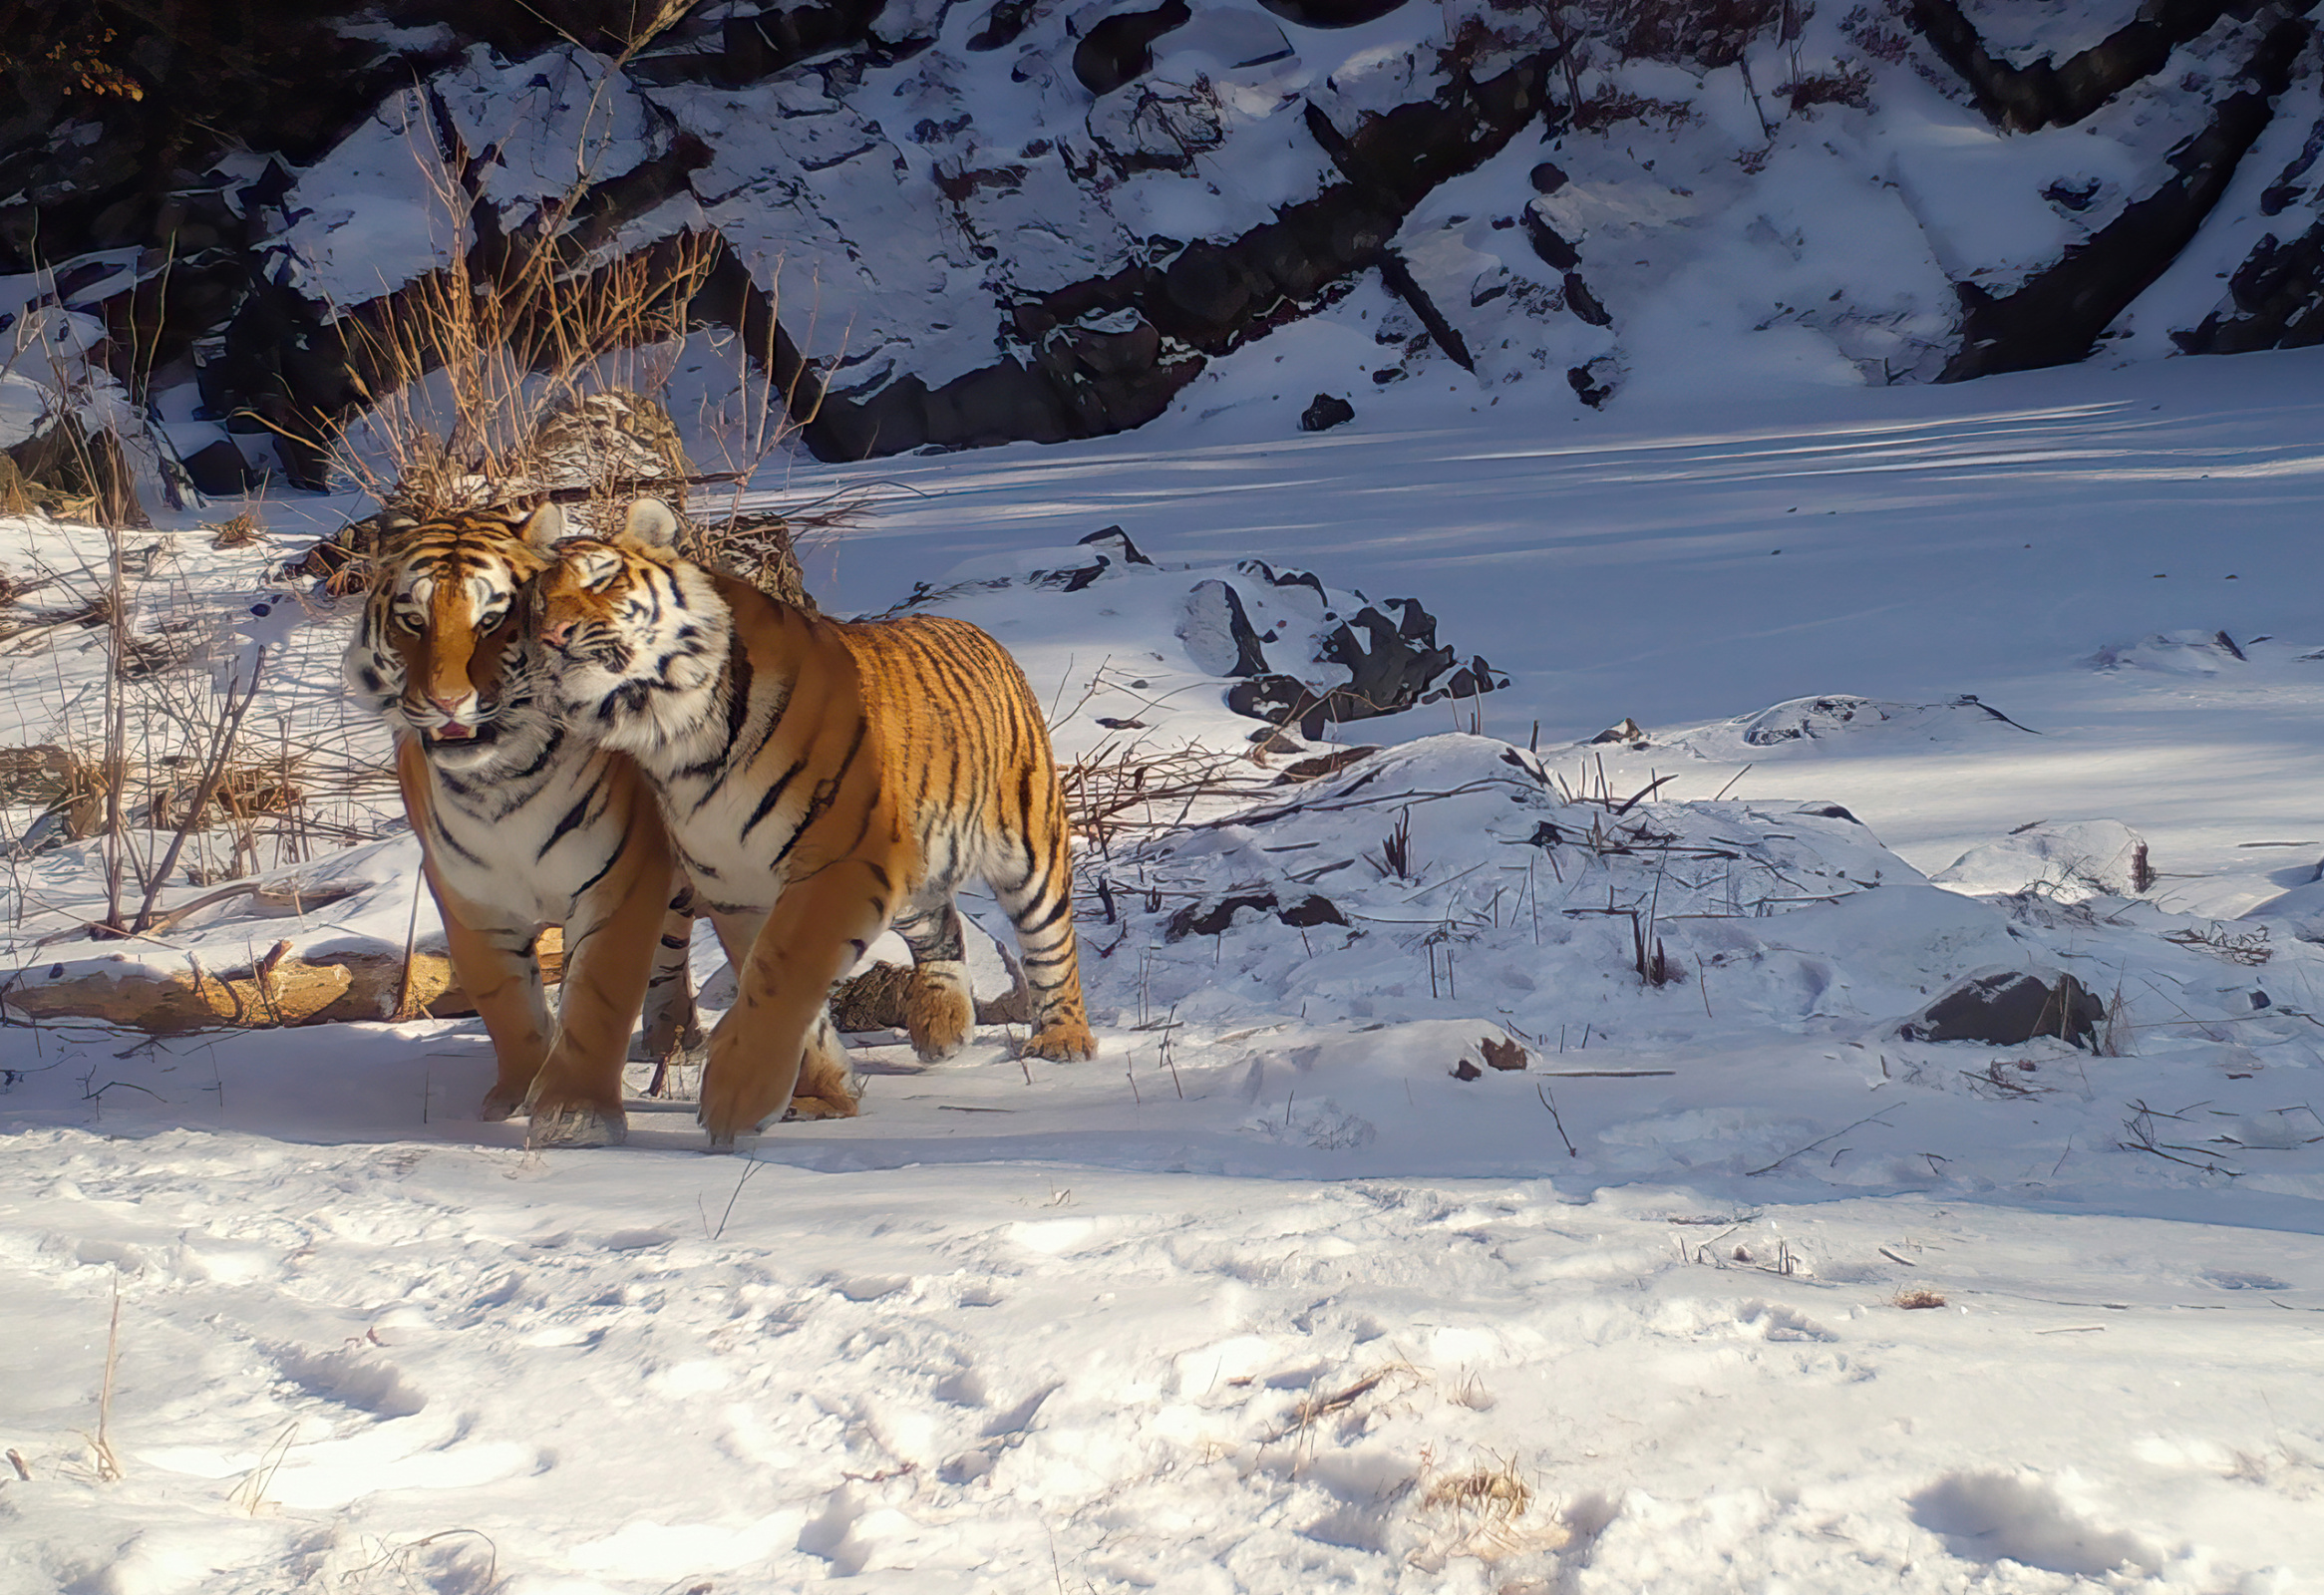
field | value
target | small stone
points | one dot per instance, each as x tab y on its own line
1328	411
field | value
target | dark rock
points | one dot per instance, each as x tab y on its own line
1588	386
1464	1070
2026	99
1288	577
1328	411
782	36
219	470
1119	49
1006	403
1583	303
1547	177
2008	1008
2076	196
1548	243
1391	665
2055	318
1331	13
1211	289
1119	540
1831	811
2275	300
1208	300
1213	918
1470	680
1218	633
1002	24
1502	1053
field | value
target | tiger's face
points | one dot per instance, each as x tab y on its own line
626	624
444	648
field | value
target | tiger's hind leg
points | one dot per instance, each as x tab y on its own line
939	1006
1040	905
828	1087
672	1035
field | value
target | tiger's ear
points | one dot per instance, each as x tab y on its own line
543	526
651	524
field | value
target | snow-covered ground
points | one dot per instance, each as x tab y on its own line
1730	1287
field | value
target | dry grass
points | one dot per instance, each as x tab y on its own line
100	1454
1133	789
1917	1300
1481	1511
2248	947
462	372
239	533
1497	1491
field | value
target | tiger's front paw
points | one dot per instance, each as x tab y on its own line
1062	1041
735	1100
504	1101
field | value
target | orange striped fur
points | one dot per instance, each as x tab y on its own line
822	781
523	825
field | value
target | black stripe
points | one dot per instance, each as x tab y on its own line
619	848
445	836
1058	911
773	796
826	793
556	740
723	759
572	819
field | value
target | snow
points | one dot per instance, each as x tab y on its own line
1293	1287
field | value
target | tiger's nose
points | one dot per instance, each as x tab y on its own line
554	632
450	706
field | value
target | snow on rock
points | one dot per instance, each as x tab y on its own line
986	224
2174	653
2070	862
1810	726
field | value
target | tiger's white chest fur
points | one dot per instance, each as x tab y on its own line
519	842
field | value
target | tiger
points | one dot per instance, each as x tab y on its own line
822	781
523	825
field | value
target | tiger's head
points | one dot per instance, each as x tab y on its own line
446	647
635	634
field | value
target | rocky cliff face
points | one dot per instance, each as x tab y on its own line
953	223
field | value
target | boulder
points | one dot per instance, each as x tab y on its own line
1331	13
2007	1009
2069	862
219	470
1328	411
1119	49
